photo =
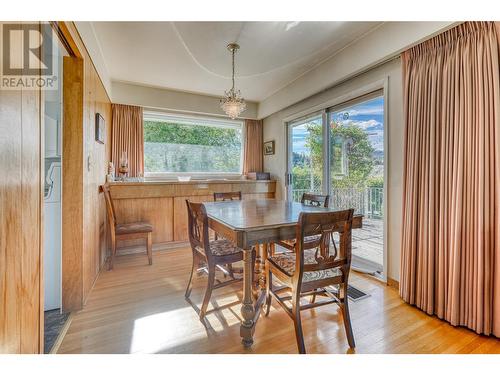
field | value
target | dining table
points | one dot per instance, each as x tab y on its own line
250	224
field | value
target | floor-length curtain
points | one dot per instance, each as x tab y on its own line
253	155
127	135
451	226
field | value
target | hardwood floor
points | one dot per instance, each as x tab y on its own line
138	308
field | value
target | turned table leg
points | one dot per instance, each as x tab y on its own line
247	308
261	282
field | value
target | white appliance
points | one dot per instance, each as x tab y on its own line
53	238
52	137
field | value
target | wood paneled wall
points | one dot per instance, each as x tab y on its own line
21	238
21	199
89	166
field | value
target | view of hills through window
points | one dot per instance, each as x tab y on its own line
361	127
191	147
357	148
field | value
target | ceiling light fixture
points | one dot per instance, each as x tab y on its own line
232	103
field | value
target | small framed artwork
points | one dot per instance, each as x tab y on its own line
100	128
269	148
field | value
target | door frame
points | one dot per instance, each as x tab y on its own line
324	107
72	171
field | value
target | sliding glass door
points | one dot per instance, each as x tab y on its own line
341	152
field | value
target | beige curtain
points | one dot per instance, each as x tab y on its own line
451	226
128	135
254	147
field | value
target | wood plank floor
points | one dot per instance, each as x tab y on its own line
138	308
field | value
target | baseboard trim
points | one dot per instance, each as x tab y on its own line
62	334
393	283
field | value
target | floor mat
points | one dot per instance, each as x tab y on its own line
355	294
53	324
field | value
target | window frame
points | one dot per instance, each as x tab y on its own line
188	119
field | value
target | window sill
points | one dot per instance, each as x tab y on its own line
193	177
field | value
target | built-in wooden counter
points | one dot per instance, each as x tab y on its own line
163	203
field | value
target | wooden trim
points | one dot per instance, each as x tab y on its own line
66	30
72	187
392	283
62	334
66	38
41	236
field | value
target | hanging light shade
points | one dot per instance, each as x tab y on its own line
232	103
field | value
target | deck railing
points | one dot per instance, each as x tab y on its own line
368	201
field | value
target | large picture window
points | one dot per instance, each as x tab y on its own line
175	144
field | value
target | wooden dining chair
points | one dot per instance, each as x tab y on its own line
318	200
128	231
215	254
224	197
308	199
317	268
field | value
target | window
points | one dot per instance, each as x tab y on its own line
176	144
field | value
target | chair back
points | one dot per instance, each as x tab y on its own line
315	200
110	208
230	196
198	227
323	225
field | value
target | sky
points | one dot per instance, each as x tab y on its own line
368	115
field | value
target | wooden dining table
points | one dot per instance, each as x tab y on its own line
257	223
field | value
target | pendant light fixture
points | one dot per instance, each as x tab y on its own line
232	103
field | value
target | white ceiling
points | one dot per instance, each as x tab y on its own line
192	56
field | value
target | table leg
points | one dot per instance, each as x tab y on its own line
262	274
258	267
247	309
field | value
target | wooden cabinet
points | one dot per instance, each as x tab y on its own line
163	204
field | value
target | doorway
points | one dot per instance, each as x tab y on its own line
54	317
341	152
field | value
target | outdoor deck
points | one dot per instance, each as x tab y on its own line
368	245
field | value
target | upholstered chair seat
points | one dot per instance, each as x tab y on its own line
221	247
285	262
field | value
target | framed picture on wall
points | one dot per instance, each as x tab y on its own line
100	128
269	148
